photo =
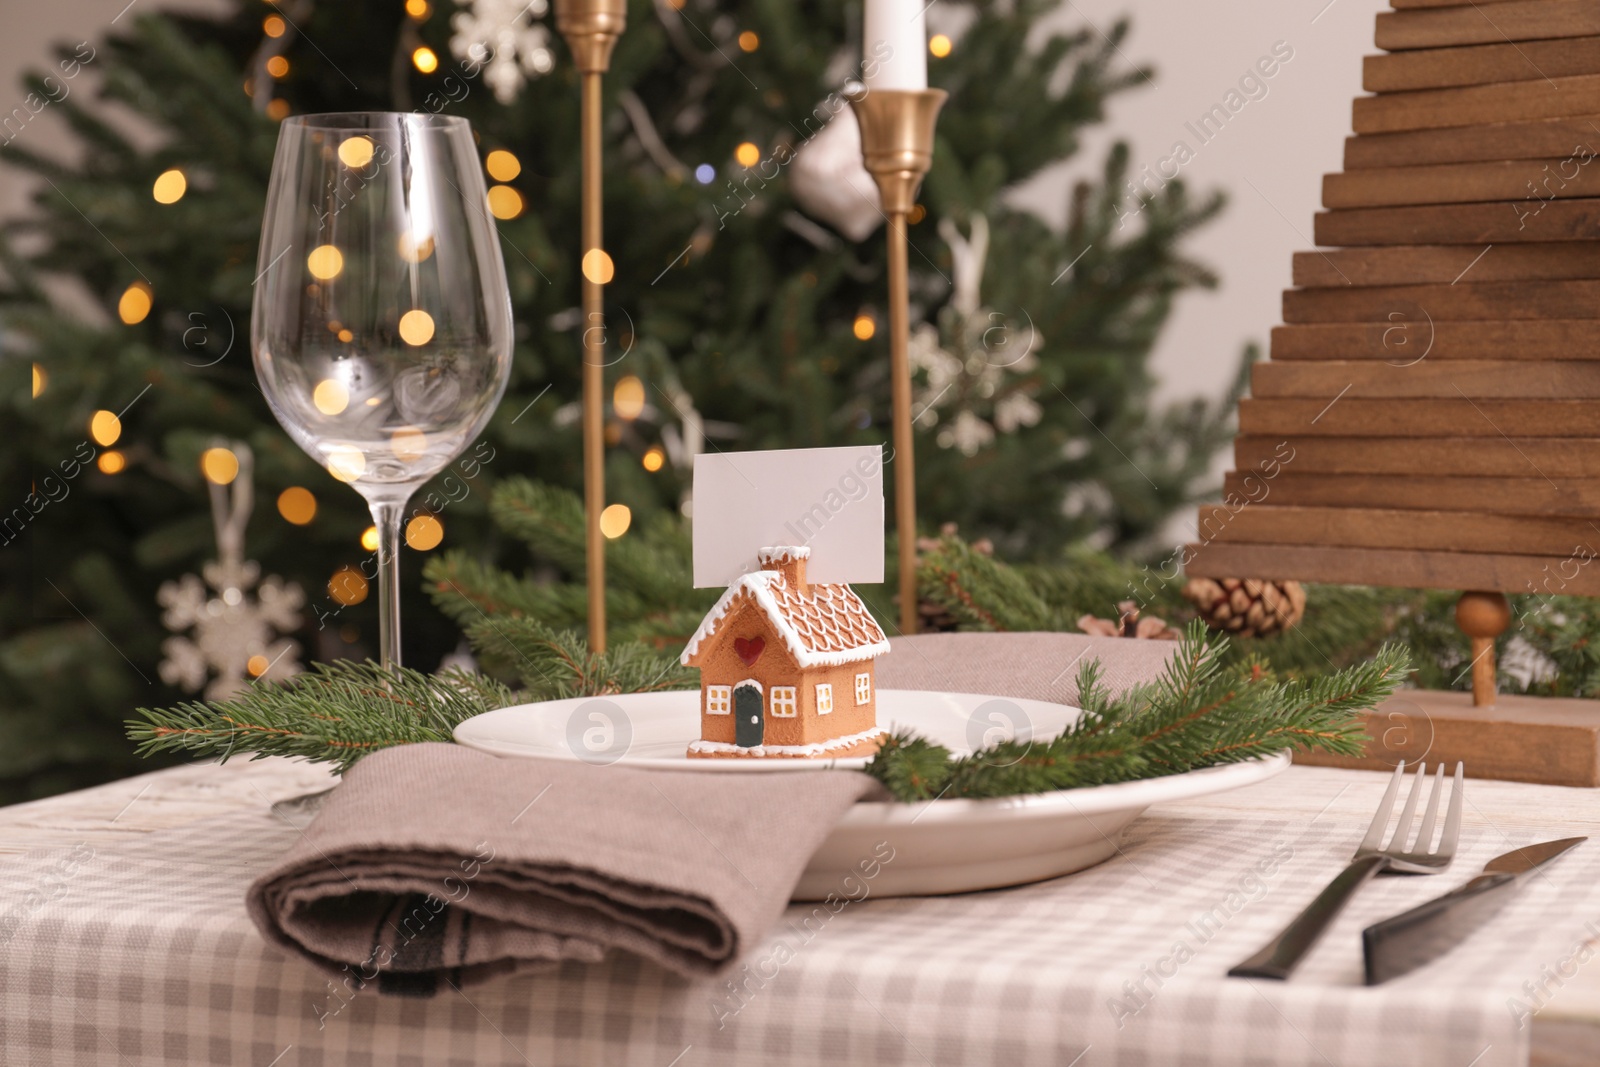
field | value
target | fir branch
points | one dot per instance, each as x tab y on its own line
336	713
555	664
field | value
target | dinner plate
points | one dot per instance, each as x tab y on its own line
881	848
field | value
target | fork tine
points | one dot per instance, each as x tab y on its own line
1425	835
1380	821
1402	829
1452	820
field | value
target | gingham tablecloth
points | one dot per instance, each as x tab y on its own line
128	944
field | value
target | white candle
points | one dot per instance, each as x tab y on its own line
895	45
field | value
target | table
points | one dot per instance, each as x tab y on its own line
99	967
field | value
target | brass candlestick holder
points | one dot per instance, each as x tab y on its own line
897	147
591	29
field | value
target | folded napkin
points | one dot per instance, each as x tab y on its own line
436	861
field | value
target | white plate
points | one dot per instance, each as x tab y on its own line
941	846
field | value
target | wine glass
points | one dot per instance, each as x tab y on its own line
382	322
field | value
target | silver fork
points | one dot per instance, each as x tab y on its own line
1279	957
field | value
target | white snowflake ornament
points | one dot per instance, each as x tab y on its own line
501	39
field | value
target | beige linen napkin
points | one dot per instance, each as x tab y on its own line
434	861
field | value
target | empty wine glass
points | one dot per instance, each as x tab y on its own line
382	321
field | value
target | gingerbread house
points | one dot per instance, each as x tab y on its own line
786	666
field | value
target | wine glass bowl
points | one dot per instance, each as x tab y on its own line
382	328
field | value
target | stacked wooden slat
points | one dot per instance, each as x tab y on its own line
1430	416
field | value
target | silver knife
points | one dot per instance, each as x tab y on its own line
1405	942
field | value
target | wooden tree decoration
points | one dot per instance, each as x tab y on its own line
1430	417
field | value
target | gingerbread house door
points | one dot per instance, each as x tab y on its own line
749	717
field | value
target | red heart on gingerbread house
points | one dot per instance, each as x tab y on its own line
749	649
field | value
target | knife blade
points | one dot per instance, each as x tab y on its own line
1404	942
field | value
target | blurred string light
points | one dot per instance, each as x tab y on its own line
916	214
346	462
111	462
134	304
105	428
414	249
615	520
416	327
219	465
502	165
424	532
355	152
705	174
864	327
747	154
257	665
278	67
504	202
654	459
330	396
325	262
347	586
939	44
408	444
749	41
40	380
170	187
273	26
369	539
297	505
627	398
418	9
425	60
597	266
278	110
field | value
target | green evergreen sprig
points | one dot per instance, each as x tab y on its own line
1203	711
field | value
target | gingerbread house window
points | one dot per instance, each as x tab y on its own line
718	699
863	688
785	704
824	698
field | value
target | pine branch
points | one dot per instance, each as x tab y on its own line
556	664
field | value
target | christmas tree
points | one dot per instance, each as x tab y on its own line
745	312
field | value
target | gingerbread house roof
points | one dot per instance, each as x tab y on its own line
821	625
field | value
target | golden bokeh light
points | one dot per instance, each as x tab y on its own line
112	462
408	443
747	154
425	60
170	187
40	380
346	336
355	152
615	520
424	532
330	396
416	327
135	304
105	428
348	586
627	398
325	262
278	110
414	249
597	266
939	44
418	9
257	665
749	41
864	327
219	465
277	66
504	202
916	214
273	26
654	459
502	165
297	505
346	462
369	539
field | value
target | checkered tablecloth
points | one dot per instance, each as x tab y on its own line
133	948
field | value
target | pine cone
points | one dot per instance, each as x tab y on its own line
1128	624
1248	607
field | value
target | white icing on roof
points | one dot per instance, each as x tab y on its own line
827	627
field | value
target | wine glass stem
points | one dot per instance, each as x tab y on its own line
386	517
